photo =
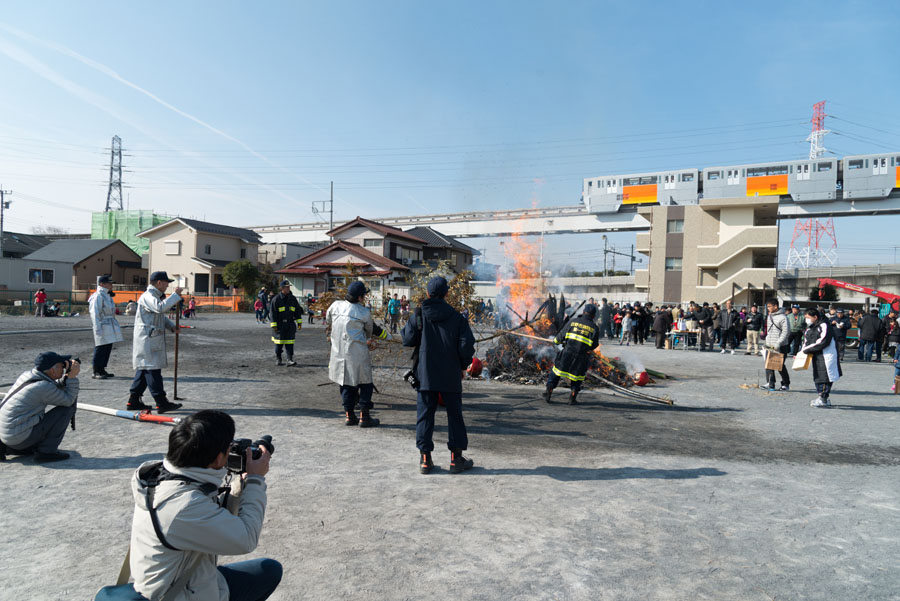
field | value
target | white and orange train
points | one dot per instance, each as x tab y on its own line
861	177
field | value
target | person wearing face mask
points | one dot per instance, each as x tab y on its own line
818	342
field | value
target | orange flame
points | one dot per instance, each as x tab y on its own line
522	276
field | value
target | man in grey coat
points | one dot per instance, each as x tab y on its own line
149	350
26	426
778	336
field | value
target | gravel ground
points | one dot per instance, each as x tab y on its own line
734	493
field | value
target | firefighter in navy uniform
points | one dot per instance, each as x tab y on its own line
286	317
579	337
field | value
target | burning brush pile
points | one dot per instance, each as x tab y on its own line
525	355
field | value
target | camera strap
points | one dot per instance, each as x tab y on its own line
156	474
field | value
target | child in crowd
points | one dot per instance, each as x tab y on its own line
627	325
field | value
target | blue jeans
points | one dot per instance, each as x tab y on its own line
426	405
252	580
362	394
101	357
865	350
151	378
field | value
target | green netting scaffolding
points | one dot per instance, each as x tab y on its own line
125	225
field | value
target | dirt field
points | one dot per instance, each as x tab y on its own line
731	494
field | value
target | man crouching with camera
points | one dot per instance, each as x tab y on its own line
26	426
181	523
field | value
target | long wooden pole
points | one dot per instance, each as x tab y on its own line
177	335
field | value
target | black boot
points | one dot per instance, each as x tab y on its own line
458	463
573	397
163	405
546	395
426	465
367	421
351	419
135	404
278	360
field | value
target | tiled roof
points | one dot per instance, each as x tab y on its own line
73	250
211	228
387	230
354	249
434	238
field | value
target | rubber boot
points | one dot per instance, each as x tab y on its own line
367	421
135	404
351	419
163	405
426	464
458	463
546	395
573	397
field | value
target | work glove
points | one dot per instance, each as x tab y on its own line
299	324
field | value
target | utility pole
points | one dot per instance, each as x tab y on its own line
4	204
330	202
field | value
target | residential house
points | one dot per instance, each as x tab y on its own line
320	270
89	259
390	242
439	247
194	253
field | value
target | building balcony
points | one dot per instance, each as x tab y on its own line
752	238
642	243
641	279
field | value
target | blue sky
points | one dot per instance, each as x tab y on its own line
242	113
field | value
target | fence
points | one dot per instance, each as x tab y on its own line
22	301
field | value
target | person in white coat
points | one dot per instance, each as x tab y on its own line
106	327
818	343
181	525
350	326
149	349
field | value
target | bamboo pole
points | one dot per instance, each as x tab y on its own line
138	416
177	333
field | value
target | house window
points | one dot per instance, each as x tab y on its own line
243	253
207	250
673	264
172	247
40	276
453	258
675	226
376	242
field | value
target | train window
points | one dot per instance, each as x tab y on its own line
824	166
898	161
711	175
770	170
590	183
855	164
689	177
867	162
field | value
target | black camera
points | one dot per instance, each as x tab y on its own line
237	452
410	377
68	365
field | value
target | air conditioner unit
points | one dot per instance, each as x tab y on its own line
404	261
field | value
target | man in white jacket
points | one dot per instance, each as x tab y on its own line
350	326
149	349
106	328
176	556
